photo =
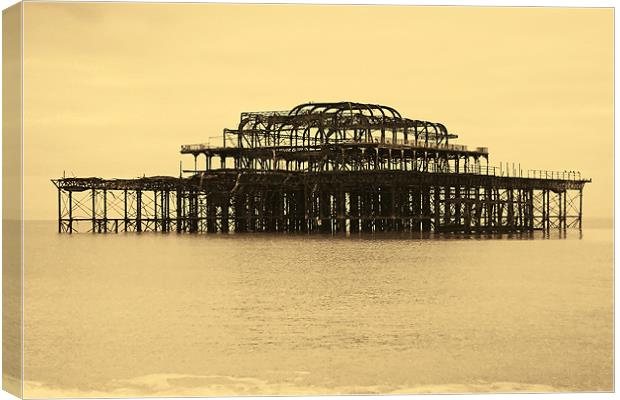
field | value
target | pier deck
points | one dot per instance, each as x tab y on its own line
329	202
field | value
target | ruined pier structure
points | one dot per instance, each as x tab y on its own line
331	168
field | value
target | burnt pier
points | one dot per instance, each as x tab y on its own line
331	168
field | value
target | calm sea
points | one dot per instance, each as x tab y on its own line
167	314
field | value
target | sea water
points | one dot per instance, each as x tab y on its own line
156	314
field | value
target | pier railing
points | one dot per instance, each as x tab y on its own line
411	143
501	171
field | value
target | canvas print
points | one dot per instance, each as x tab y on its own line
251	199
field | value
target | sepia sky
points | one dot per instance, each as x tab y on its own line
114	89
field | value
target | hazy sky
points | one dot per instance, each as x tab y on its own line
113	90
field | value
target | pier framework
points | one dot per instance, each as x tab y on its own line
330	168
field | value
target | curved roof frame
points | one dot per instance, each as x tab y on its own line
344	115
